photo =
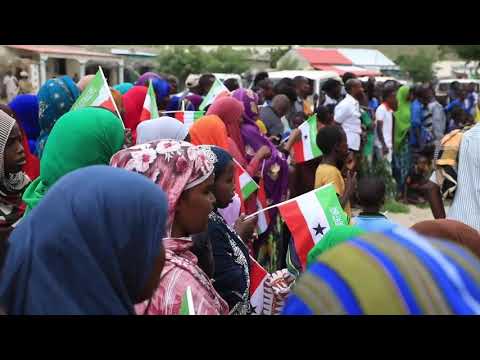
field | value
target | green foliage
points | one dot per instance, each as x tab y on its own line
419	66
393	206
288	63
465	52
184	60
276	54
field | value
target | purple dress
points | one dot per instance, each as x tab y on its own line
275	172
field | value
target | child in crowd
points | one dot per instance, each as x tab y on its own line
371	197
332	141
417	179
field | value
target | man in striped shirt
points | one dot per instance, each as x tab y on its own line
466	202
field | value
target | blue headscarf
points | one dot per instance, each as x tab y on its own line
162	88
175	104
97	254
25	106
223	158
55	98
123	87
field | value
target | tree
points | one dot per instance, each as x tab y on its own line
468	53
419	66
184	60
276	54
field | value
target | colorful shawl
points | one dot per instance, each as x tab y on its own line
397	272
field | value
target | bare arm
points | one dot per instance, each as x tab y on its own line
432	191
294	137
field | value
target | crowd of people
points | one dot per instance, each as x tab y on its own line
103	212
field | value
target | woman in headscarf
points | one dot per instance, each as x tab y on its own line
452	230
55	98
230	110
146	77
231	256
13	180
123	87
185	173
275	173
60	262
209	130
25	108
397	272
164	127
133	103
83	137
160	86
401	151
32	164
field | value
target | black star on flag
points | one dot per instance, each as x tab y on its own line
319	230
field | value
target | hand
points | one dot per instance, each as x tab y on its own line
265	152
128	138
385	150
245	228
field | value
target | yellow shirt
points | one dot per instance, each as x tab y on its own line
327	174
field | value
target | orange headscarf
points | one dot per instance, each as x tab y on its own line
209	130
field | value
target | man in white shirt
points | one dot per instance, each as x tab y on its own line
385	124
347	113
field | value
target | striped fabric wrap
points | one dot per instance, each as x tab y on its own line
397	272
6	125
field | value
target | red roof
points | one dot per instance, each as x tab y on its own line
59	49
340	70
324	56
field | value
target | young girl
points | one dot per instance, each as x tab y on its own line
185	173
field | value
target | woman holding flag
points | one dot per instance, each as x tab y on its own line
185	173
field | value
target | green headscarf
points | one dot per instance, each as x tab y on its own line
80	138
335	236
123	87
402	116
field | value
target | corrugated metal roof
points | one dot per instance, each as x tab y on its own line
366	57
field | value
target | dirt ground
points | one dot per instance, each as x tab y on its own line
414	216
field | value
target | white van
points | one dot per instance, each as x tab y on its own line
316	76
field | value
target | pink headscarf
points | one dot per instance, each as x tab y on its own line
175	166
230	110
84	82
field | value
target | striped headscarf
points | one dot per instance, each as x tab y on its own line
397	272
11	185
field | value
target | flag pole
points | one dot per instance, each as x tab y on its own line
111	96
241	167
282	203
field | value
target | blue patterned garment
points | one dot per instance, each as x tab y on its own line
396	272
55	98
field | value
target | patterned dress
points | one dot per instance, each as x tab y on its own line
232	262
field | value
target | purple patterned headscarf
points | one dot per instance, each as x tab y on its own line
275	172
143	80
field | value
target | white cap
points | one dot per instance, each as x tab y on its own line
192	80
24	74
